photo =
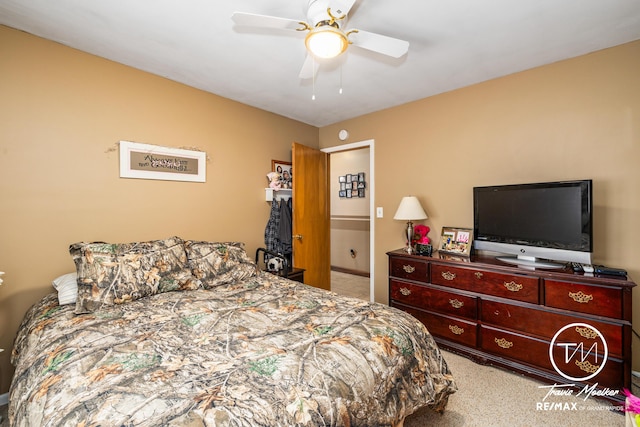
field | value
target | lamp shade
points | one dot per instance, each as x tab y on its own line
410	209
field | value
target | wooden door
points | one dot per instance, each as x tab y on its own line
311	228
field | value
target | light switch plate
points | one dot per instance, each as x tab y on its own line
379	212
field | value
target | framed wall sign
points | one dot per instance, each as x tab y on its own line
145	161
456	241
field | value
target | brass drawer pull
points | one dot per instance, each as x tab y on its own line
405	291
513	286
478	275
455	303
408	268
587	367
586	332
456	329
503	343
580	297
447	275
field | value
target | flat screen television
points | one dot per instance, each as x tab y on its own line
535	224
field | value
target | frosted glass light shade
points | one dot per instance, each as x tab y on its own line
410	209
326	42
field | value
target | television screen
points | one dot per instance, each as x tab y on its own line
551	215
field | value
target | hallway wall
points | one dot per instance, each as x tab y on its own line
350	215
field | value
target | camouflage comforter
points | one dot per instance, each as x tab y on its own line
263	352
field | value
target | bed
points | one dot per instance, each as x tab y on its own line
186	333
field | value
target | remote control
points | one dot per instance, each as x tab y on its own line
601	269
577	267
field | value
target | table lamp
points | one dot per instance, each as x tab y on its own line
410	210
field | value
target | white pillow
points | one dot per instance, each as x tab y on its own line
67	287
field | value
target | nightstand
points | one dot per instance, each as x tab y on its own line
296	274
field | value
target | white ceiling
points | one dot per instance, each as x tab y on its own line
453	43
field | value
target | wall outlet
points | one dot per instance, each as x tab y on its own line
379	212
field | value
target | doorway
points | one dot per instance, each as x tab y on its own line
365	214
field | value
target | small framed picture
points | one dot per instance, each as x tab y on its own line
342	178
285	170
457	241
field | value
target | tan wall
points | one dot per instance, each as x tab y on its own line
62	113
574	119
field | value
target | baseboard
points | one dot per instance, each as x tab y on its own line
349	271
4	399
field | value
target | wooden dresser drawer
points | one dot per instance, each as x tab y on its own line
412	269
430	298
536	352
516	287
585	298
450	328
514	346
545	324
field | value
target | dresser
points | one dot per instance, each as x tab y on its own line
557	326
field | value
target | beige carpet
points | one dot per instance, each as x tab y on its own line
489	396
350	285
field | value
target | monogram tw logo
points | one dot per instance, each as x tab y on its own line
578	352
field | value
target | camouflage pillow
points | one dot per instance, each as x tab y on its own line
219	263
110	274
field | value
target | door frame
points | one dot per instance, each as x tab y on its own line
370	143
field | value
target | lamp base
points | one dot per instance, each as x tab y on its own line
409	249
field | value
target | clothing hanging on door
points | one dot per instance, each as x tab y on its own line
285	227
272	231
277	234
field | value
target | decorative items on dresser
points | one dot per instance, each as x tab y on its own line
410	210
557	326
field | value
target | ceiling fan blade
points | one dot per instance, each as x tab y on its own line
378	43
309	68
264	21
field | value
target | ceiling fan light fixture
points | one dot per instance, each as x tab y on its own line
326	41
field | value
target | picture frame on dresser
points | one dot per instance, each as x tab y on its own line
456	241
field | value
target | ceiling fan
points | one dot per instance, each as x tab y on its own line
326	37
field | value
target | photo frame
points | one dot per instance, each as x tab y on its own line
146	161
285	169
352	185
456	241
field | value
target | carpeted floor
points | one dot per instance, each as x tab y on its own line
350	285
489	396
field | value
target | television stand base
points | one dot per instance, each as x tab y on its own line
529	262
